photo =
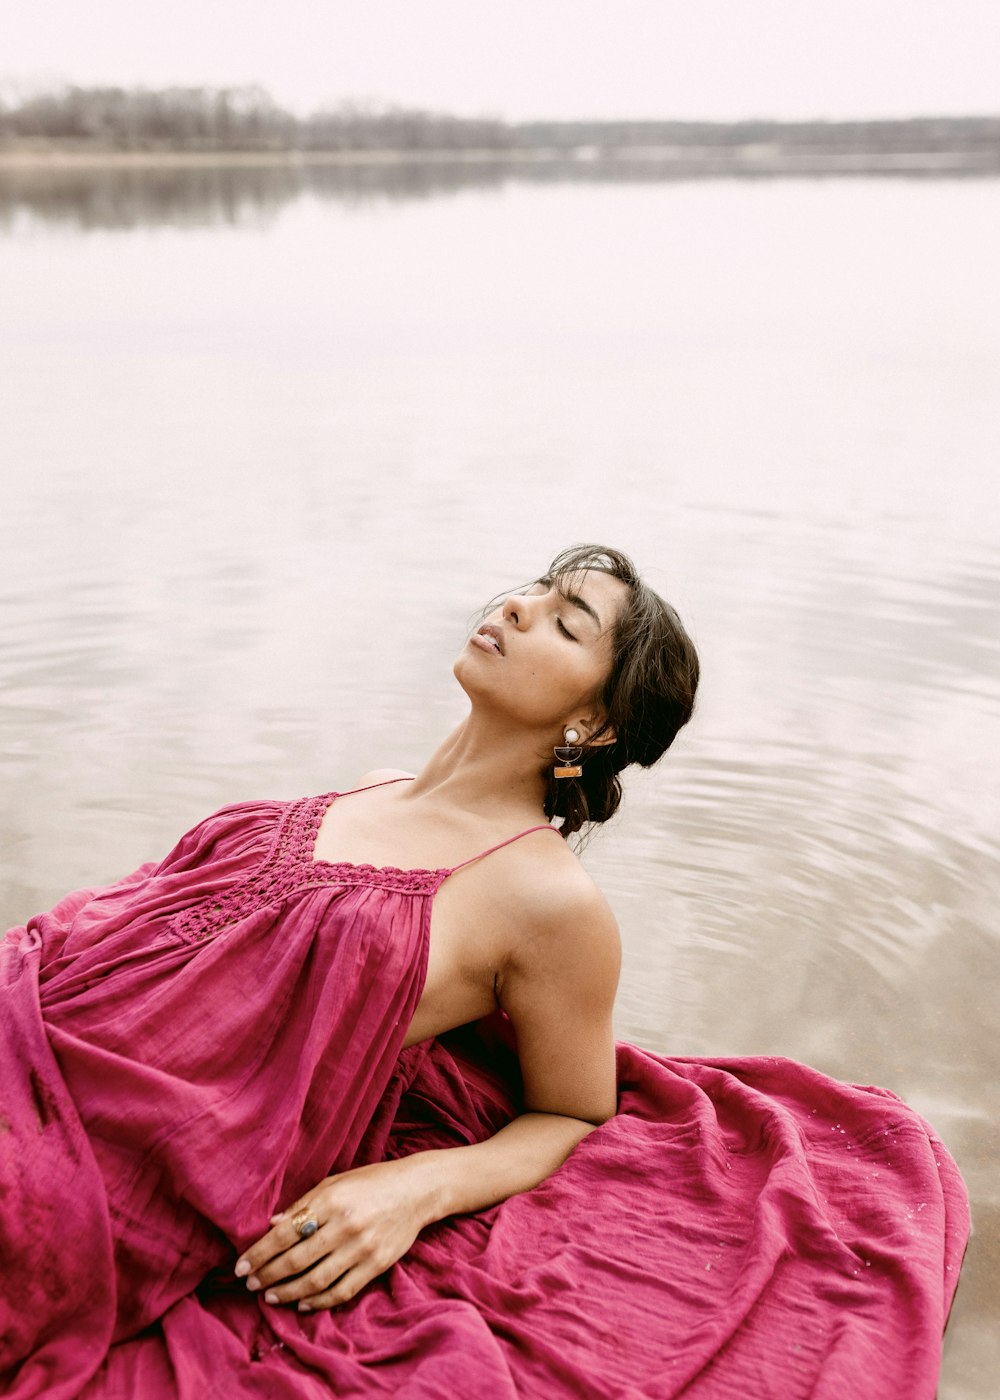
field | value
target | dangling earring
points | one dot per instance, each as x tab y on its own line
567	754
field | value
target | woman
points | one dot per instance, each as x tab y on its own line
160	995
255	1031
587	660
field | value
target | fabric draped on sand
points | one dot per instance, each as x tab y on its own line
189	1050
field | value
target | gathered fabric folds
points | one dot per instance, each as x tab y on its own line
188	1051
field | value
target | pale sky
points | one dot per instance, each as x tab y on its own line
526	58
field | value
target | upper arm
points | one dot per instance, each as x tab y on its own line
558	987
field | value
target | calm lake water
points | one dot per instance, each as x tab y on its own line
269	439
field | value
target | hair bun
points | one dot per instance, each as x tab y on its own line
647	698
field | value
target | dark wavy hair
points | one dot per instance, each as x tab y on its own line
646	699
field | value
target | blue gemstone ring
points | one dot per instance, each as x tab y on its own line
305	1225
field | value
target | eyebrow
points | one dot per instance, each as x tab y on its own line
580	603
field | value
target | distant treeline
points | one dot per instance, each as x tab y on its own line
247	119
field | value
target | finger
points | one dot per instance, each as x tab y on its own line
303	1203
290	1211
304	1255
342	1230
281	1237
348	1286
322	1276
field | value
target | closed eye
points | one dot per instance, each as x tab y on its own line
564	629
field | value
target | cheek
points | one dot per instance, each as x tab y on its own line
576	679
594	668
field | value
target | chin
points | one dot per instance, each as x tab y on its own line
473	679
460	668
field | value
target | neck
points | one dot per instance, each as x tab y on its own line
485	767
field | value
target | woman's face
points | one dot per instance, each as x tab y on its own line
543	655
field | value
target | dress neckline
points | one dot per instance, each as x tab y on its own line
290	867
310	835
318	808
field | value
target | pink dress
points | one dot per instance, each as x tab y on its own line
189	1050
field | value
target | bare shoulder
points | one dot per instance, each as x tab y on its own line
381	775
560	908
562	963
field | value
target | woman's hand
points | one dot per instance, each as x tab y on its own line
366	1219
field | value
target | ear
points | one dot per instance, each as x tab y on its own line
586	726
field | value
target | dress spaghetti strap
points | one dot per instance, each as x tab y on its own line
385	782
500	845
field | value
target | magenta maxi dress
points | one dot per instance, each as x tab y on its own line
186	1052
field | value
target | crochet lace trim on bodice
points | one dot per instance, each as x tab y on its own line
288	868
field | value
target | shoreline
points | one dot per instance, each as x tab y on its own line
751	159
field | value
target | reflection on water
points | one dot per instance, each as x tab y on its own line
255	488
112	197
245	194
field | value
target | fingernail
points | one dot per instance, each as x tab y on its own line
282	1215
304	1307
253	1283
270	1297
243	1268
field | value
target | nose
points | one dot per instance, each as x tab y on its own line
517	610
